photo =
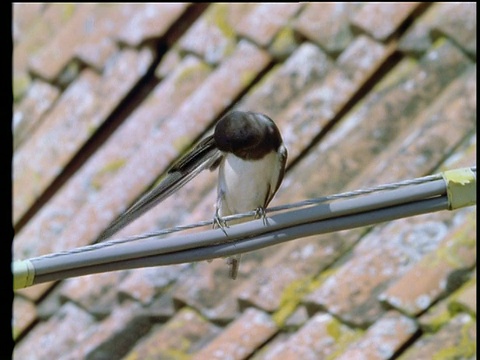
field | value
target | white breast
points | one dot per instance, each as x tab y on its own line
245	185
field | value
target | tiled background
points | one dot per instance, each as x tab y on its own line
363	93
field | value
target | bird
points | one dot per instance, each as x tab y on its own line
248	150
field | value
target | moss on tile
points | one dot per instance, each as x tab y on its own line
284	43
21	82
343	336
218	16
291	298
466	349
109	168
190	72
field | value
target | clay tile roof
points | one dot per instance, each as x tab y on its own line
108	96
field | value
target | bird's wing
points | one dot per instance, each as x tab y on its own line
204	155
282	160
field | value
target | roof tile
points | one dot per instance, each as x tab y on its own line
351	292
55	336
105	163
25	314
143	285
97	297
381	20
458	21
213	35
383	339
241	338
284	82
29	113
62	123
182	334
456	340
360	113
265	20
58	52
321	337
433	276
327	24
465	298
112	337
146	21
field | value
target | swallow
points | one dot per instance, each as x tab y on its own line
248	150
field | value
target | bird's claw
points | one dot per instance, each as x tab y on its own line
261	213
218	222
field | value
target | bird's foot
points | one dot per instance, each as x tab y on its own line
261	213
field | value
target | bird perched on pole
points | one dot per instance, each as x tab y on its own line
248	150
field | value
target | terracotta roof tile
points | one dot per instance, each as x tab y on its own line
106	162
321	337
381	20
459	22
146	21
110	337
456	340
434	275
327	24
383	339
96	296
30	112
213	35
25	315
465	298
61	135
360	98
56	336
241	338
184	333
265	21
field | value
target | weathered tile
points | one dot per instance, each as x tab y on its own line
381	20
241	338
207	288
321	337
307	115
460	301
183	334
213	35
24	15
265	20
351	292
112	337
148	21
24	315
284	274
307	65
434	135
113	155
50	61
458	21
64	131
144	284
434	275
53	142
38	32
383	339
95	293
456	340
52	339
327	24
374	123
465	298
30	111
